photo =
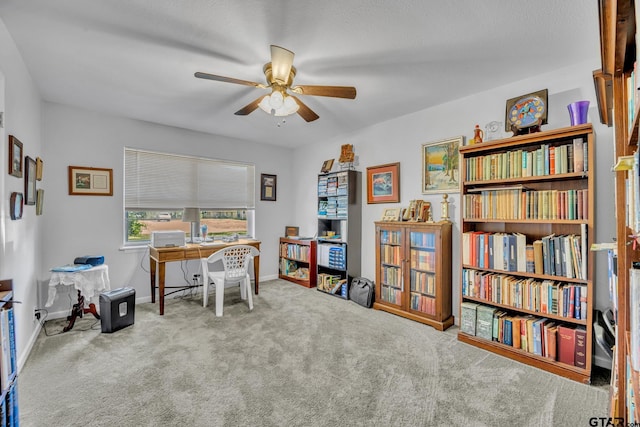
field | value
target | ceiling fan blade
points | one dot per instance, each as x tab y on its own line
305	112
348	92
281	62
228	80
249	108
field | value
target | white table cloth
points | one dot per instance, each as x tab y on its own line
89	282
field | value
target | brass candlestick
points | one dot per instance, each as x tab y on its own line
445	208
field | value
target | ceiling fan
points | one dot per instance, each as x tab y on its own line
279	74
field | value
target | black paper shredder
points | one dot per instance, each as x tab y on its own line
117	309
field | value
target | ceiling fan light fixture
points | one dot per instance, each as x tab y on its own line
278	104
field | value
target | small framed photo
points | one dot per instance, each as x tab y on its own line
39	201
15	157
39	167
326	166
16	203
440	166
30	181
87	181
383	183
268	187
290	231
391	214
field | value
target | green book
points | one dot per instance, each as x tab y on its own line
484	322
468	317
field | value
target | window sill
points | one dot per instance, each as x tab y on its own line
134	248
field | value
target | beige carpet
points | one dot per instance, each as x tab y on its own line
301	358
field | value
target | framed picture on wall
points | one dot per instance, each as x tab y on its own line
86	181
268	187
30	181
15	157
440	166
383	183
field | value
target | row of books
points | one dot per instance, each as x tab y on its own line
9	415
423	303
391	276
333	185
541	296
518	203
423	282
546	160
390	254
292	269
423	259
333	208
423	240
536	335
293	251
390	237
551	255
390	294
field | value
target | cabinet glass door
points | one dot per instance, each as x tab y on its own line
422	267
391	285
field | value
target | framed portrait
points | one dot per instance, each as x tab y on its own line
440	172
87	181
15	157
29	181
391	214
16	203
383	183
326	166
290	231
268	187
526	110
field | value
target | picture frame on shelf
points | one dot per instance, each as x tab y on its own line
383	183
391	214
440	168
16	205
327	166
291	231
526	111
15	157
268	184
89	181
29	181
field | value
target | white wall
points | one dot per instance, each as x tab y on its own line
400	140
81	225
20	245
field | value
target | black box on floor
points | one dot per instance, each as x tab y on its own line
117	309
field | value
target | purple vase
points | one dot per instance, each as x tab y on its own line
578	112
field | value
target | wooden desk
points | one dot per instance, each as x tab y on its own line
159	256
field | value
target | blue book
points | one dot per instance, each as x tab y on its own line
513	261
505	252
507	331
481	244
490	236
576	302
537	336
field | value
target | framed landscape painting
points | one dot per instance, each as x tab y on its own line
440	172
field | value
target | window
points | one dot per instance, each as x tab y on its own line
157	186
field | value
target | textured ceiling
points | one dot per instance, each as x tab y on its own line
136	58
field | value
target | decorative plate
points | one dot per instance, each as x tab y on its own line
526	111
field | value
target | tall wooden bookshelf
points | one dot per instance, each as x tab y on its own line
413	271
339	231
617	92
9	414
298	261
520	195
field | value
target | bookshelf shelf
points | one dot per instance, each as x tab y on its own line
340	215
9	413
298	261
518	213
413	271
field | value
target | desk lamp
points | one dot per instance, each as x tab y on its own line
192	215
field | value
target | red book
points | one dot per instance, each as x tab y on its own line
581	347
572	301
552	160
566	348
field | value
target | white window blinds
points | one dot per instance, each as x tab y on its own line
172	182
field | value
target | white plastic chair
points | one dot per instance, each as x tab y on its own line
236	260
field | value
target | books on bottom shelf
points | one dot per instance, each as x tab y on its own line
537	335
333	284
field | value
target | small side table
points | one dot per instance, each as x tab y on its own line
88	283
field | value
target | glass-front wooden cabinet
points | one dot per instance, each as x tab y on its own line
413	271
